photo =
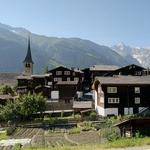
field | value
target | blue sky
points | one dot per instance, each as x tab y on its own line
105	22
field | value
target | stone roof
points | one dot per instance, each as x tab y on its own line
124	80
104	68
77	70
40	75
21	77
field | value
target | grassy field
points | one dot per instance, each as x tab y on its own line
3	135
121	143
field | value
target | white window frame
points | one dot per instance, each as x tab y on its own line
136	89
111	89
68	79
66	72
49	83
113	100
58	72
57	79
137	100
76	79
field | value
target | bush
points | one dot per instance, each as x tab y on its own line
77	117
86	126
93	116
110	134
10	130
17	147
6	90
75	130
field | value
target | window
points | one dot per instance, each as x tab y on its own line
27	65
49	83
76	79
138	73
137	89
67	73
113	100
137	100
57	79
111	89
58	72
68	79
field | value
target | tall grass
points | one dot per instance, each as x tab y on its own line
121	143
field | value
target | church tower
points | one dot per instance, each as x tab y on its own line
28	62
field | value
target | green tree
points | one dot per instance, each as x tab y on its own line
6	89
23	107
31	104
10	111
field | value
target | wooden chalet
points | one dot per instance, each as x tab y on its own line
65	82
121	95
96	70
62	73
132	69
35	83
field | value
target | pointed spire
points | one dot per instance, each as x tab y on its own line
28	58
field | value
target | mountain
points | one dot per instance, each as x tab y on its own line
139	56
142	55
126	52
51	51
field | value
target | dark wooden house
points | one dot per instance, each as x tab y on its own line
62	73
96	70
35	83
121	95
132	69
67	89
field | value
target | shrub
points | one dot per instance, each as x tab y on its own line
6	90
93	116
110	134
17	146
77	117
75	130
10	130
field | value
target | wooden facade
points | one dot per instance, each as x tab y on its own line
132	69
96	70
121	95
65	74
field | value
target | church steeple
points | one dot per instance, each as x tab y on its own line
28	58
28	62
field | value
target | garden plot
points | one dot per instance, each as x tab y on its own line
50	140
56	140
85	137
22	133
6	147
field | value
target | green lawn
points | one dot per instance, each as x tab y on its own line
3	135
